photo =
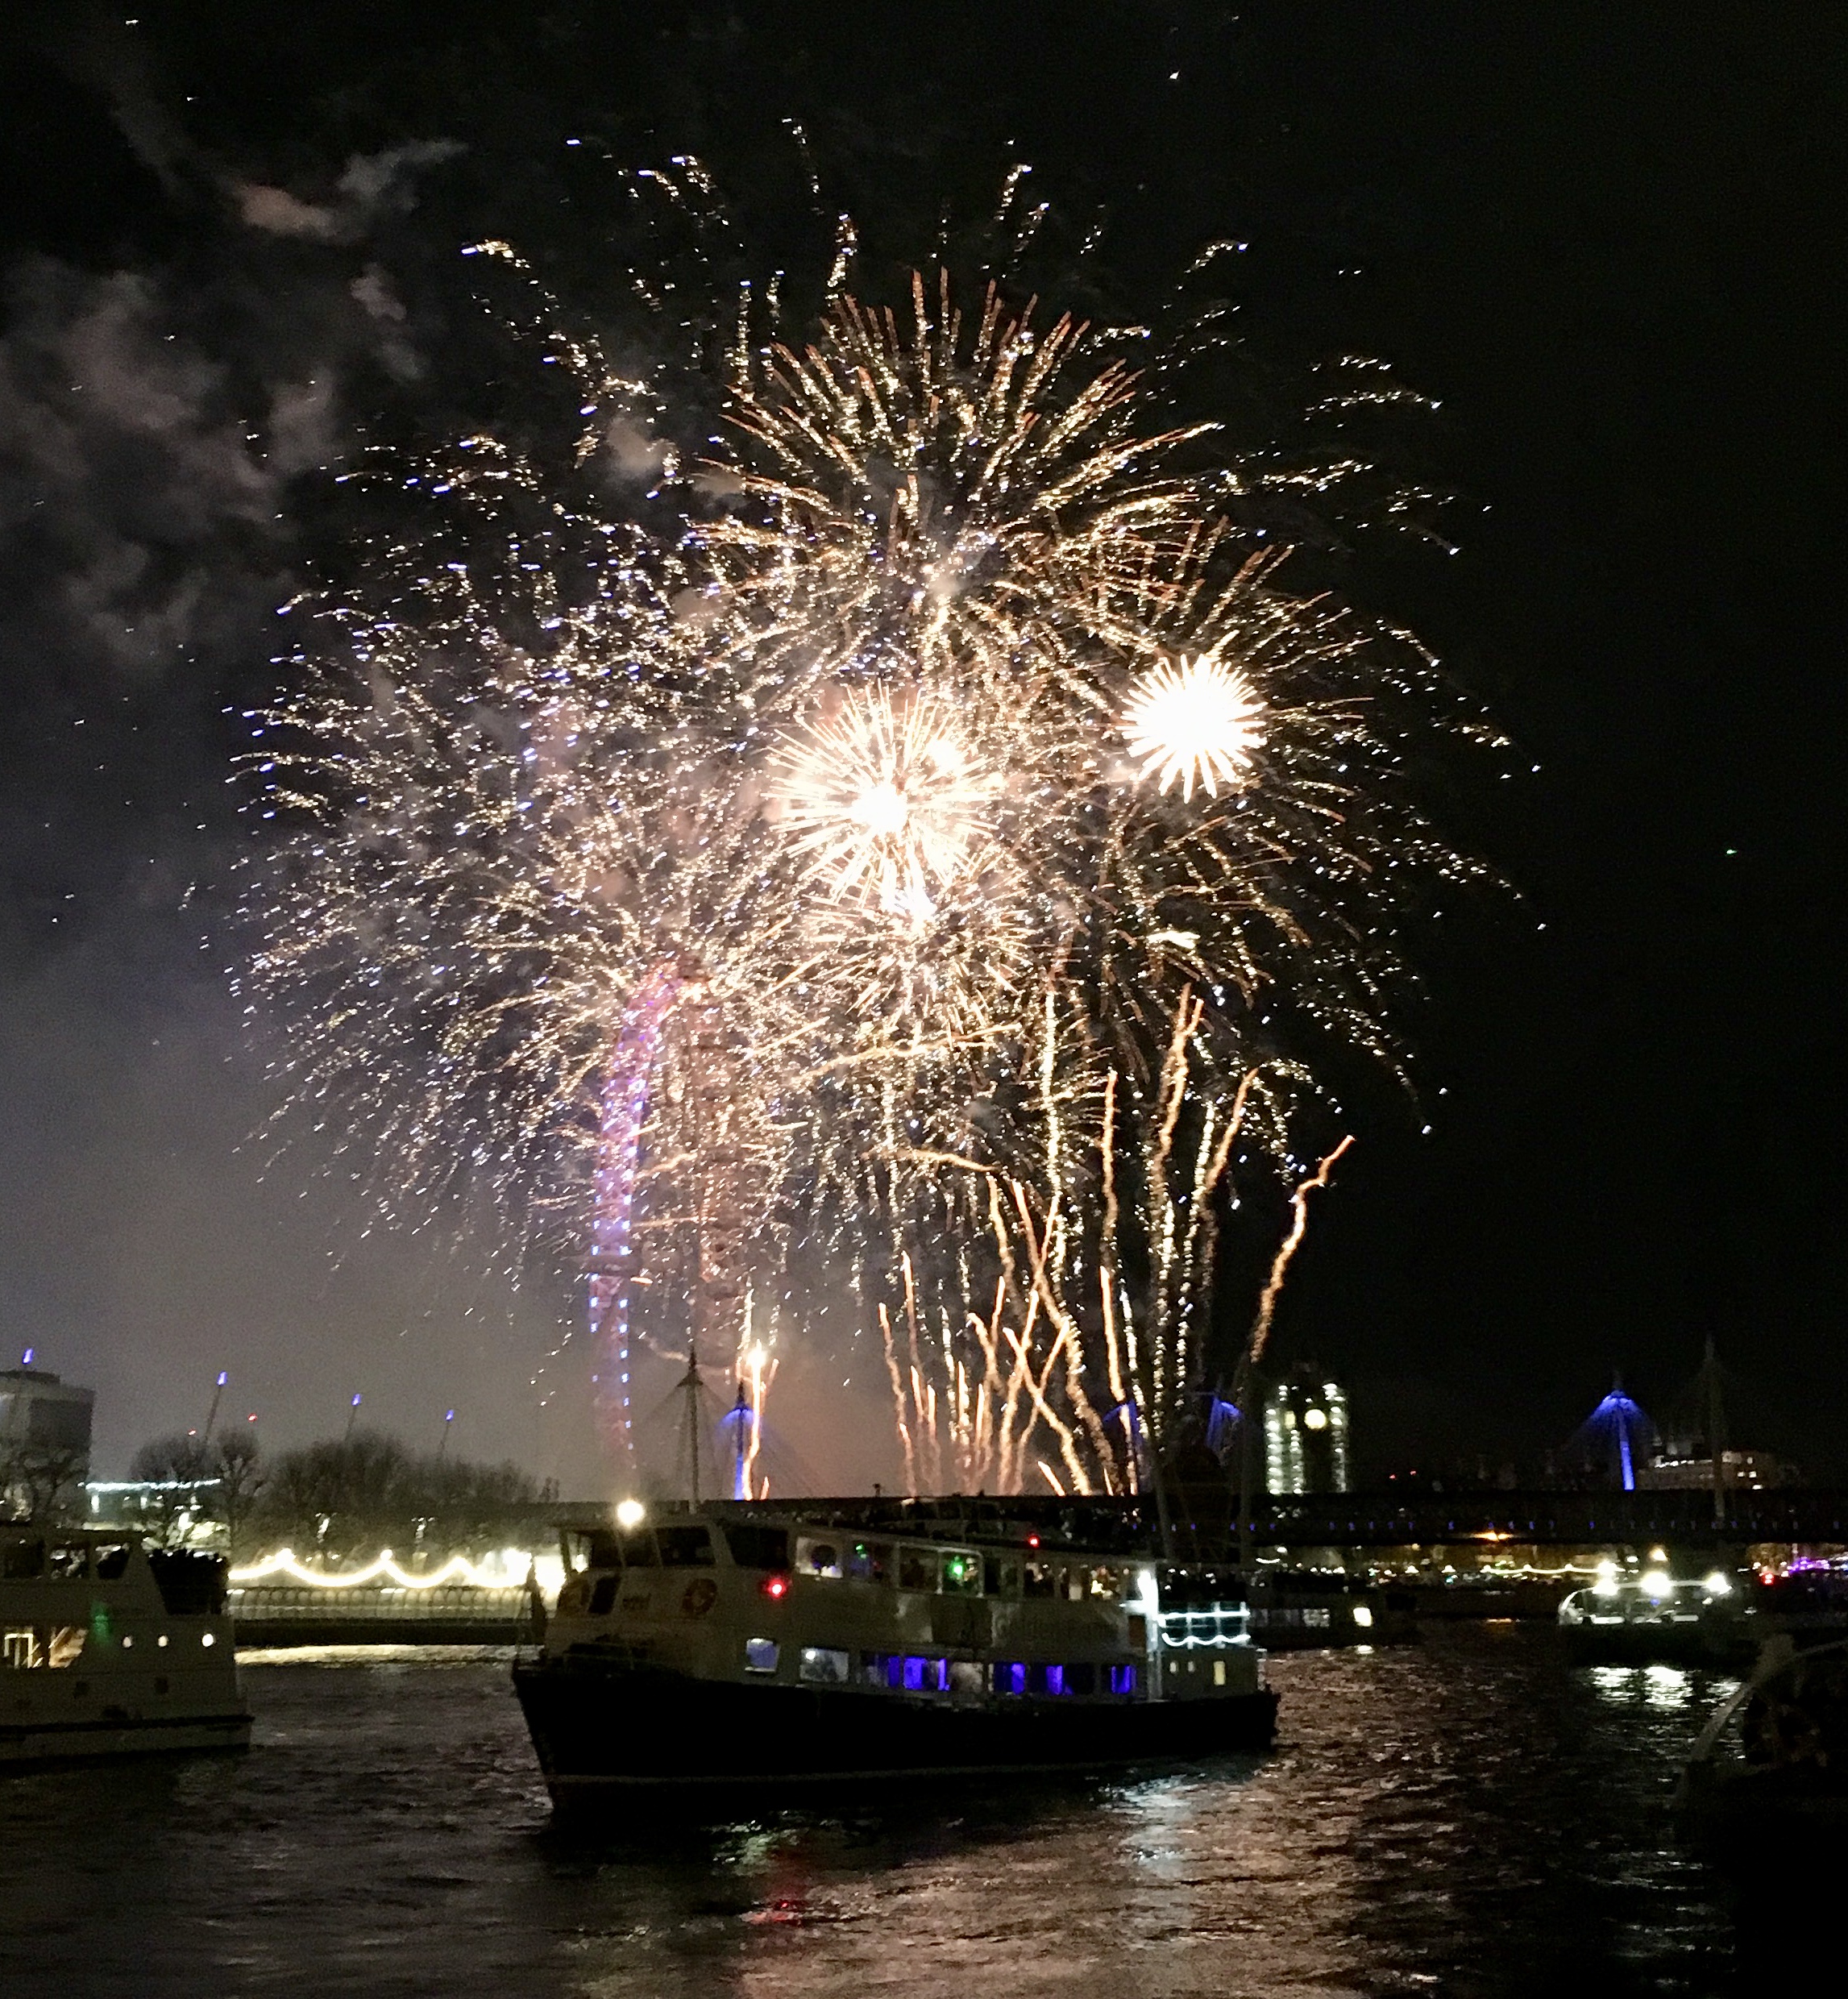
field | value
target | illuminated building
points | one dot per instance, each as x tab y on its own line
1305	1434
1695	1429
1742	1471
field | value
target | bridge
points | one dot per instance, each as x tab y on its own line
1571	1519
1204	1522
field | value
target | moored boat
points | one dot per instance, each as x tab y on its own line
755	1651
1654	1619
108	1650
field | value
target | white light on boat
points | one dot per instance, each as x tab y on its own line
1364	1616
1657	1583
206	1638
630	1514
1717	1586
1606	1583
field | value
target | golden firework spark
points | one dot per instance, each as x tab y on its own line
1198	721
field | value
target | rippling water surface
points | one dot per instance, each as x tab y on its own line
1470	1816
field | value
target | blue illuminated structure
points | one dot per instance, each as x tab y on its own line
1222	1426
1616	1438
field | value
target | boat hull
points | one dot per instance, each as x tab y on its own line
31	1744
1721	1647
602	1728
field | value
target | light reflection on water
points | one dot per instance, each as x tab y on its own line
1674	1688
1472	1816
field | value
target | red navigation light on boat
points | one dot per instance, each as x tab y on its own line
1032	1541
774	1585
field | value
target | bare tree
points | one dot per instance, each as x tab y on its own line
197	1482
346	1499
41	1481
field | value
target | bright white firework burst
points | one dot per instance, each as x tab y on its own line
888	802
1195	722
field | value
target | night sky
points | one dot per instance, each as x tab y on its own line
1602	239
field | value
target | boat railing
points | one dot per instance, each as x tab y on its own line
445	1603
1777	1660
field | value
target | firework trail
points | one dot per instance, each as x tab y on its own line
1260	1335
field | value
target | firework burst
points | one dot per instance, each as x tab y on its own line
1023	841
1196	722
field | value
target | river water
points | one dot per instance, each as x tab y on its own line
1470	1816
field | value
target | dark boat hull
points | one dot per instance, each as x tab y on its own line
1721	1647
601	1728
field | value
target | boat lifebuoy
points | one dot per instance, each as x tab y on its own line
700	1595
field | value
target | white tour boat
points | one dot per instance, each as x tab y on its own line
107	1650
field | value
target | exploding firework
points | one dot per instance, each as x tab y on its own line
1195	723
887	808
951	845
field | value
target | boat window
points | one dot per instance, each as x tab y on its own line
968	1676
1001	1576
603	1596
1107	1582
1010	1677
70	1564
871	1561
1077	1583
589	1548
879	1668
1081	1679
918	1569
21	1561
1042	1579
817	1558
637	1547
20	1646
684	1547
64	1643
961	1574
1123	1679
925	1675
823	1665
1046	1680
112	1563
757	1546
760	1655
